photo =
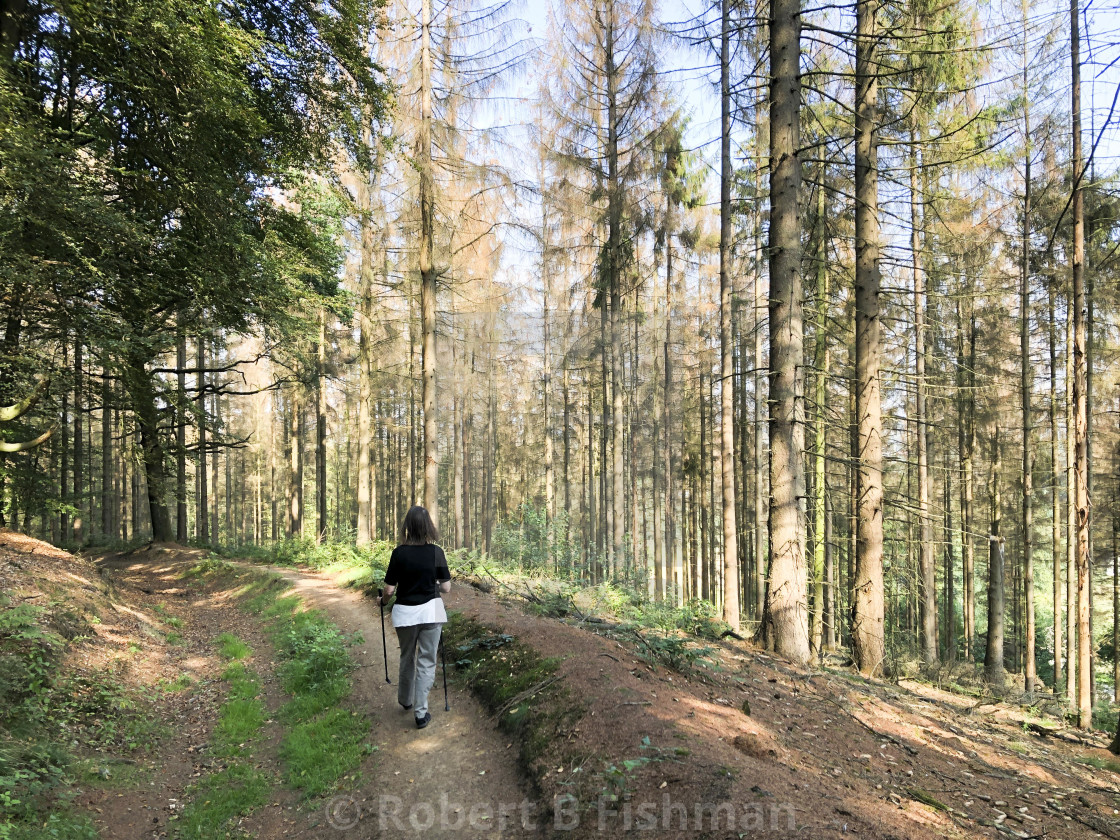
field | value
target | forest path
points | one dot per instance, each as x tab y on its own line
456	778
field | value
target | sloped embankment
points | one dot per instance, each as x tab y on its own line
744	743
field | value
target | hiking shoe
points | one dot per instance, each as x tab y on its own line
424	721
405	706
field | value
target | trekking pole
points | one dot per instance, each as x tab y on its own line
384	648
443	659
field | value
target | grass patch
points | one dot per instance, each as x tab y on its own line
180	683
1111	764
319	752
323	743
113	774
242	716
231	647
239	721
214	801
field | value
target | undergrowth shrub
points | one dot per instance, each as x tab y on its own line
38	701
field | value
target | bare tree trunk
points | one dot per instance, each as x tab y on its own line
181	534
669	557
966	399
138	382
759	422
365	372
603	522
202	504
1080	398
491	449
726	338
926	559
427	267
785	626
950	564
993	656
457	461
1025	370
1055	495
1072	659
295	466
321	431
214	530
546	318
79	523
868	644
820	365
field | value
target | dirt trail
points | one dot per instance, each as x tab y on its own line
457	777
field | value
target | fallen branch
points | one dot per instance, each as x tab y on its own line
1096	823
869	728
517	699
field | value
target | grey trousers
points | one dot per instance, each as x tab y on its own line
419	645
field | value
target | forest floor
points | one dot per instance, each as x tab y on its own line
736	743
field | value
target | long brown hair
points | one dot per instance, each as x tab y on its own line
418	528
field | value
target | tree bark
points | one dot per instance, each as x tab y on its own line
966	406
138	382
427	267
1025	370
868	644
202	505
926	559
181	533
1080	398
950	564
295	463
785	625
79	523
1056	483
614	252
321	431
726	338
993	654
366	524
670	556
820	366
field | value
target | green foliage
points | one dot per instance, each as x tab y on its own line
38	702
315	652
180	683
31	771
672	651
1099	763
231	647
59	824
1104	716
319	752
215	800
530	543
211	565
29	655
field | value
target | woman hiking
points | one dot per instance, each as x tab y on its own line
417	574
